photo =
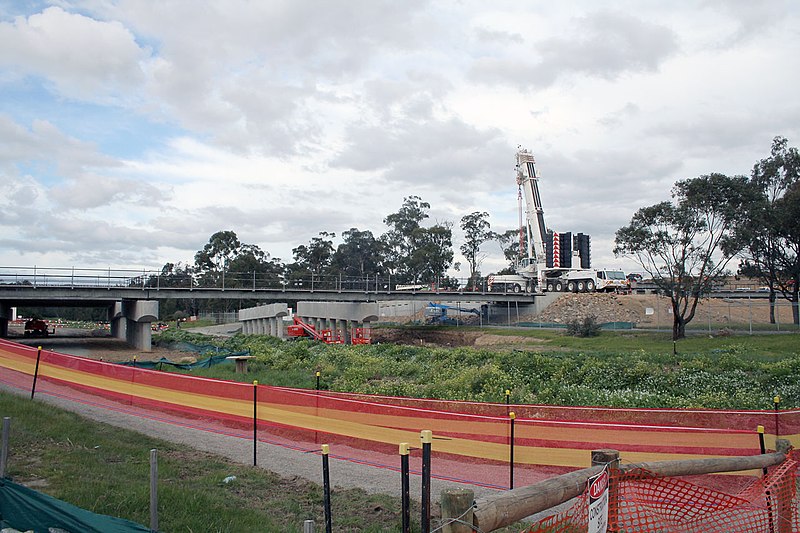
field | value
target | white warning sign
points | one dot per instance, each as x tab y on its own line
598	502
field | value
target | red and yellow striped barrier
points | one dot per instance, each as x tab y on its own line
369	428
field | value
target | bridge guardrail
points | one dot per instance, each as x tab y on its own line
72	277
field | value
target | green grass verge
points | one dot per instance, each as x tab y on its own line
106	470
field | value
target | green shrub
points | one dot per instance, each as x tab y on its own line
586	328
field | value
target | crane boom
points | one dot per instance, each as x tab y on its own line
528	181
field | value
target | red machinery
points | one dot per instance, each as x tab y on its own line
361	336
37	328
300	329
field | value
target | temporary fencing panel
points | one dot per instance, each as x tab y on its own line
471	444
642	502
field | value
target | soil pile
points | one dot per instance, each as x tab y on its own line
603	307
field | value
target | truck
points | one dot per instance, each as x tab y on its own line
36	327
551	261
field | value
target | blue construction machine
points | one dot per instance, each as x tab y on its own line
448	315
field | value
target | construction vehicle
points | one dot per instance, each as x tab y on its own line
36	327
437	313
360	336
551	261
299	329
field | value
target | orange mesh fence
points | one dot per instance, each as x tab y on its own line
472	442
642	502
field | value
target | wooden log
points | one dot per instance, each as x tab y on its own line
499	510
457	504
505	508
691	467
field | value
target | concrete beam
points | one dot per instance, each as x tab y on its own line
263	311
264	319
350	311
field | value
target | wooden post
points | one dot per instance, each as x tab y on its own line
784	503
611	458
4	452
506	507
153	490
457	504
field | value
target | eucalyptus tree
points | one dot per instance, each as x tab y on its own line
767	232
477	230
399	241
413	252
360	254
686	245
509	242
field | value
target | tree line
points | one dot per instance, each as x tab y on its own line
408	252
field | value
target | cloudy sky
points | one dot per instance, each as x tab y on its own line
130	131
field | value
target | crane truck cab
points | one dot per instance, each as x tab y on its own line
596	280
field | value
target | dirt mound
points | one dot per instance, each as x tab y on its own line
424	337
604	307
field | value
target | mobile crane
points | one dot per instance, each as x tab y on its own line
551	261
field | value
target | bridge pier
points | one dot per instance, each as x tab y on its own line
131	320
5	316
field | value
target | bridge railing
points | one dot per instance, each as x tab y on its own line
144	278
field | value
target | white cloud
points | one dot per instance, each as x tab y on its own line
84	58
281	119
603	44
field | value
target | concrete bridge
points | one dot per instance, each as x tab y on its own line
132	297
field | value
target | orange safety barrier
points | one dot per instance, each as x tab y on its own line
642	502
367	429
